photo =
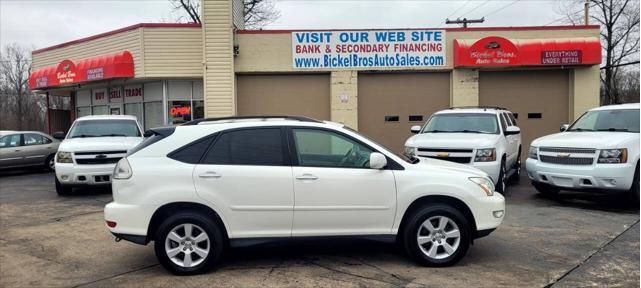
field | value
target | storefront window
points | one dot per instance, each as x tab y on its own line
153	114
199	109
134	109
83	111
99	110
178	112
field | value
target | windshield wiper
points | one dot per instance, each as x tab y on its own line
113	135
580	129
613	129
84	136
467	131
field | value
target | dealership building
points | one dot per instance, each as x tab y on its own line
378	81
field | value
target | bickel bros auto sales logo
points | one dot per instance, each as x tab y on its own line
493	52
66	72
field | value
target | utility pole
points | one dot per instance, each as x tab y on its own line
464	21
586	12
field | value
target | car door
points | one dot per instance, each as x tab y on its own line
35	149
247	173
11	151
511	141
336	193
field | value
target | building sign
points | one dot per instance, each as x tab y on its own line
133	93
368	49
567	57
99	97
497	51
42	82
95	73
115	94
66	72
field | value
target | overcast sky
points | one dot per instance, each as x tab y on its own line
41	23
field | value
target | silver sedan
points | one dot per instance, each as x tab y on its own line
27	148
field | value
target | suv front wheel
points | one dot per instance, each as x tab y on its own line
437	235
188	243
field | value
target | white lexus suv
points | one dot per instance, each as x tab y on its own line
91	149
486	138
212	183
599	152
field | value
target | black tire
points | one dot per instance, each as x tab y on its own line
49	163
201	222
501	184
633	193
545	189
62	189
516	177
415	226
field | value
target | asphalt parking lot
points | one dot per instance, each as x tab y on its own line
575	240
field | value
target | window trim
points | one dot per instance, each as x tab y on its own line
391	164
287	160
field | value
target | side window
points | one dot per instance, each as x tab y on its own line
10	141
191	153
248	147
33	139
320	148
503	122
511	116
46	140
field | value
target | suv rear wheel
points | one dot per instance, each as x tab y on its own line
437	235
188	243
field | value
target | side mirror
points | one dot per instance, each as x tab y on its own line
415	129
377	160
564	127
59	135
512	130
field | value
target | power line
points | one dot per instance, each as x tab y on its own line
459	8
477	6
501	8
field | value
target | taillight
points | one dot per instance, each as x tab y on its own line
111	224
122	170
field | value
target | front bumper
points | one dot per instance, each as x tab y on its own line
74	174
130	219
489	212
589	177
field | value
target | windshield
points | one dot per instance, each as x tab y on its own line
104	128
462	123
619	120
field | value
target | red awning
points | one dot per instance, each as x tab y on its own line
119	65
496	51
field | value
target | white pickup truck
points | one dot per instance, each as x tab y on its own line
486	138
599	152
91	149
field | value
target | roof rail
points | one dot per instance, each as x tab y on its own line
261	118
479	107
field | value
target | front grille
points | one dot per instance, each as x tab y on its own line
98	157
566	160
462	160
567	150
98	161
445	150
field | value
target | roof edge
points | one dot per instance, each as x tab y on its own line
121	30
497	28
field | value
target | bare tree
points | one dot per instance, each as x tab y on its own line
619	20
257	13
20	108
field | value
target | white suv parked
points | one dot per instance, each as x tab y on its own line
486	138
598	153
91	149
196	188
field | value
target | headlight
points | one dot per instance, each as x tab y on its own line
613	156
485	155
122	170
63	157
533	153
486	185
409	151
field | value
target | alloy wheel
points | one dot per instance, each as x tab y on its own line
52	163
503	176
187	245
438	237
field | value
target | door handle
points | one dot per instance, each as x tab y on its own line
306	177
210	174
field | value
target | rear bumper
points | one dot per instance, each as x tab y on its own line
130	219
73	174
590	177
